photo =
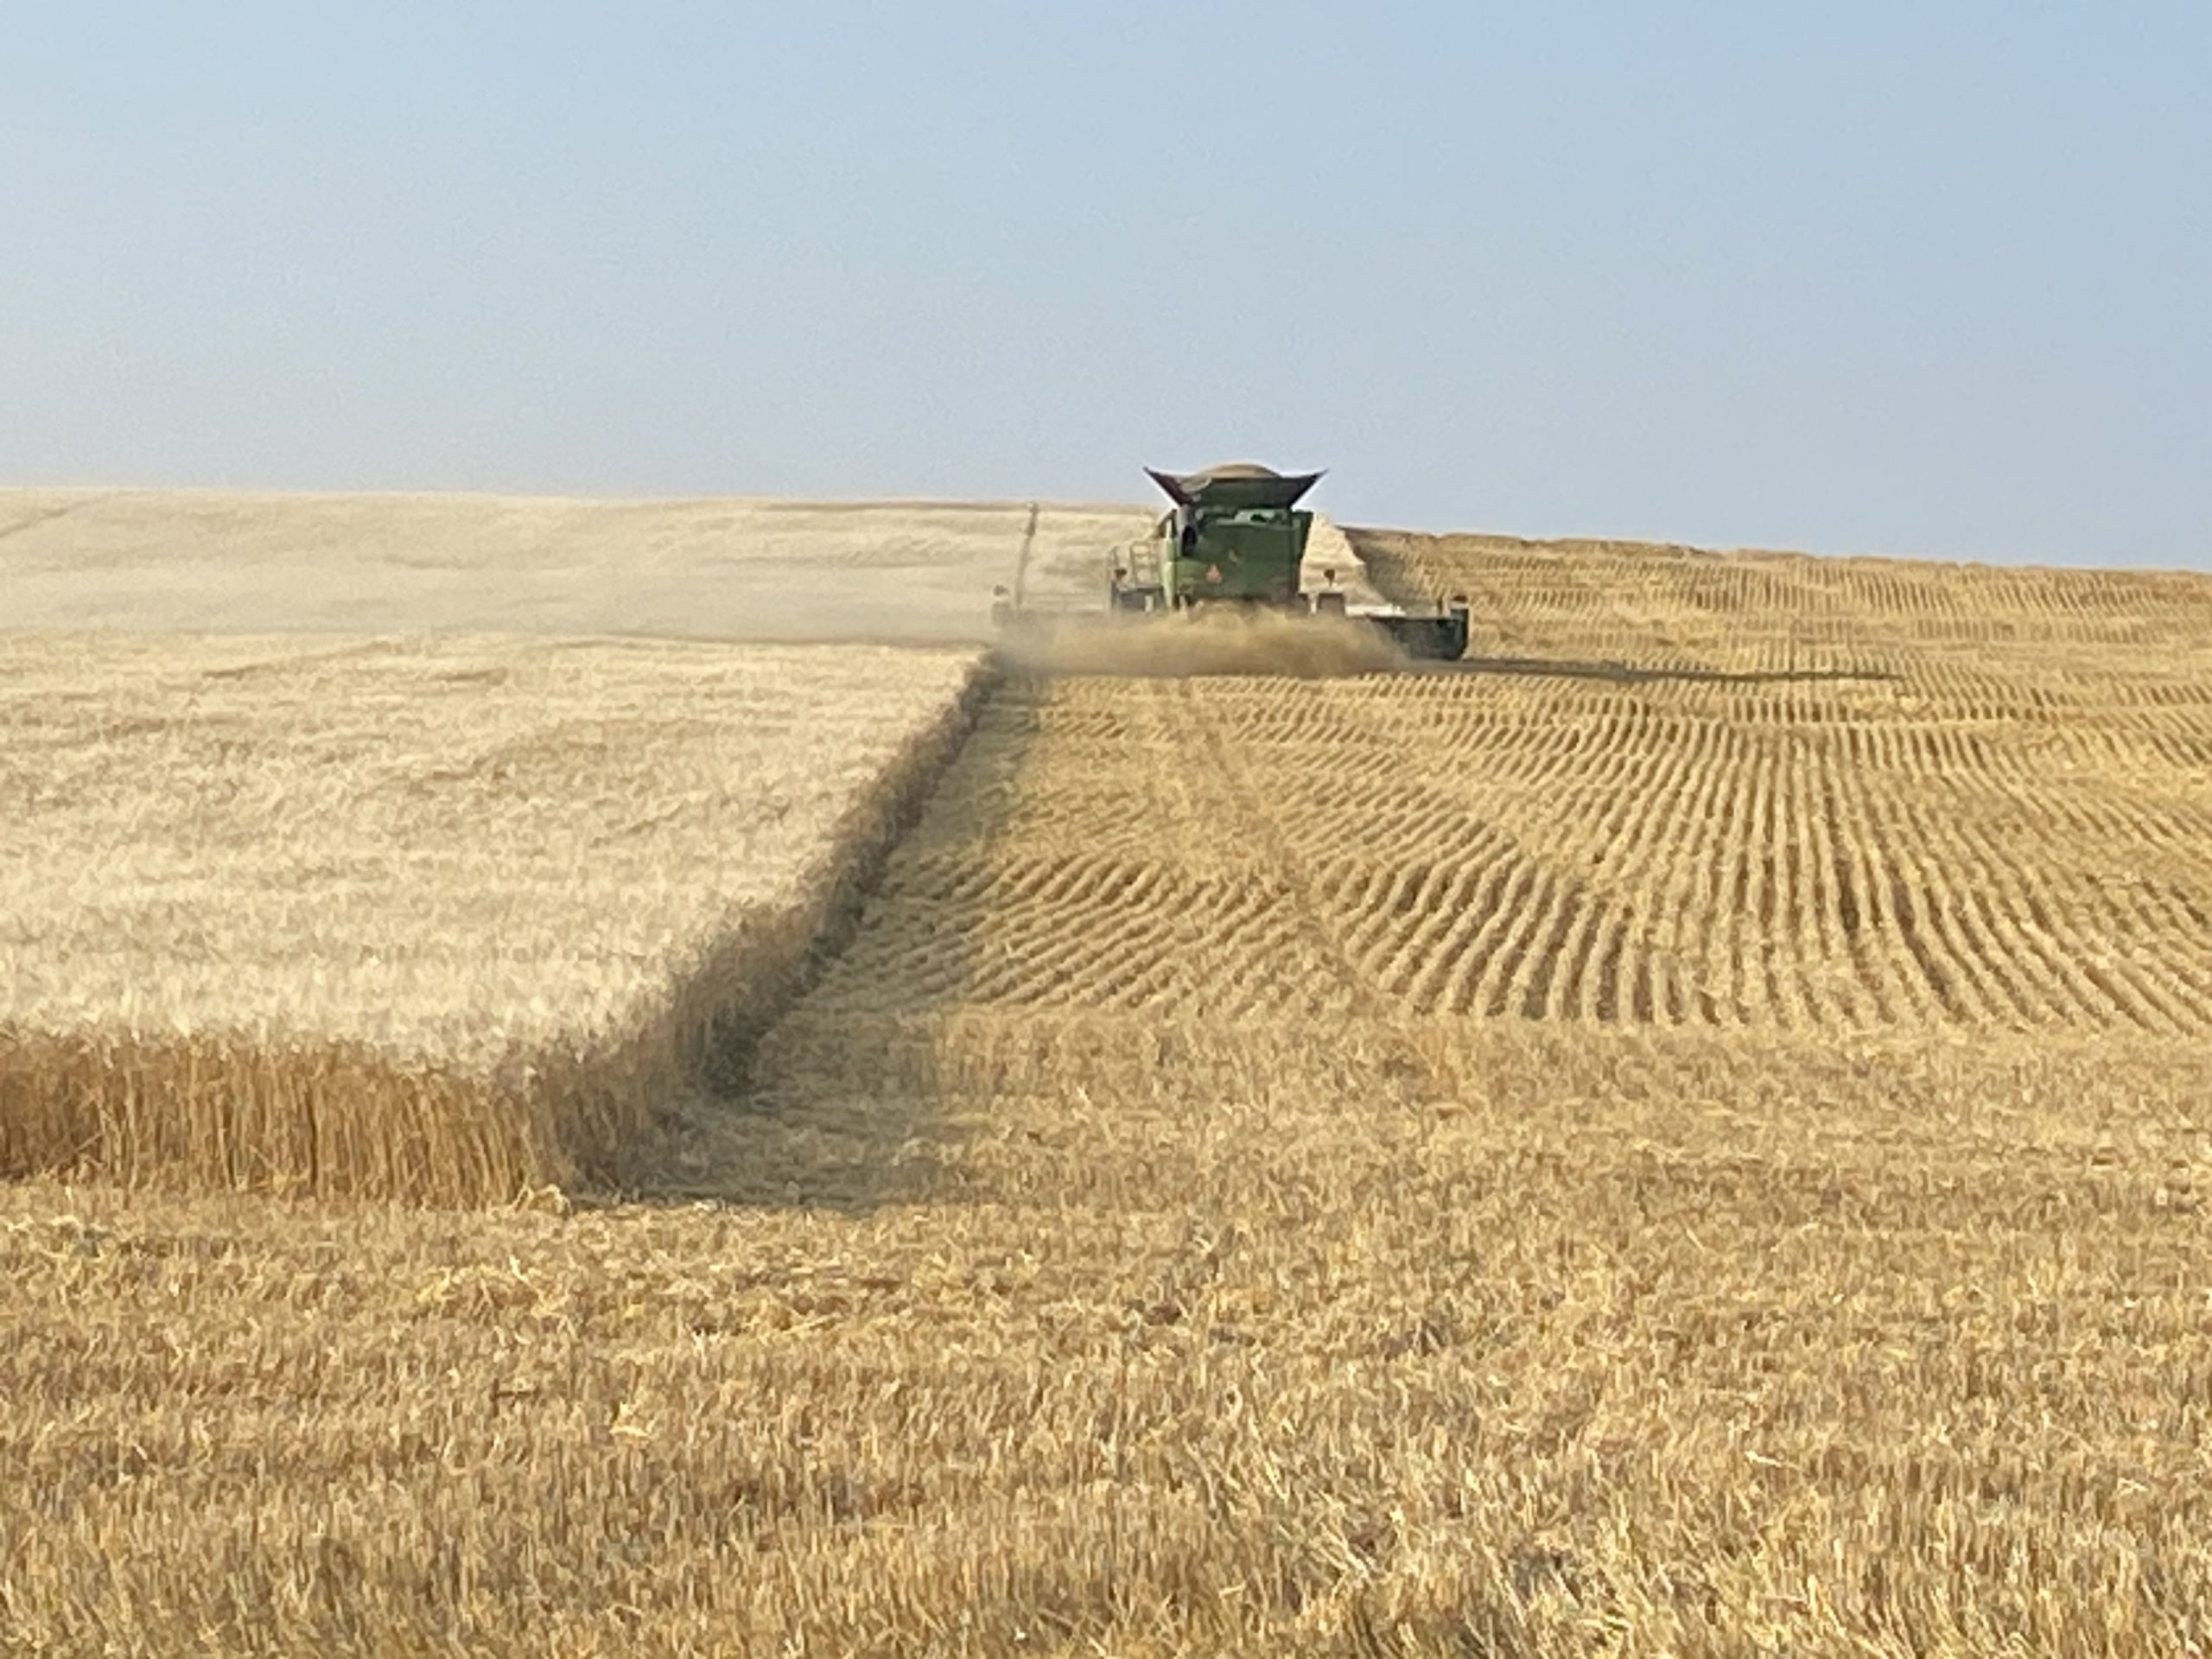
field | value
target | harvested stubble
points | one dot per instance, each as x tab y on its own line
1376	1339
441	922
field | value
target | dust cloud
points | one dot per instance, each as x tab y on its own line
1203	642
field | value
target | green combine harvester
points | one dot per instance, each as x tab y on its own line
1236	538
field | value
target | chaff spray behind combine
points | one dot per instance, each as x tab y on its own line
1237	538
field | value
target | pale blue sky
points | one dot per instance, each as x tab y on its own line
1878	277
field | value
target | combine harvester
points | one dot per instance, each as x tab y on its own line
1237	538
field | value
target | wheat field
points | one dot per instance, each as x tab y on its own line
1689	1135
436	919
711	567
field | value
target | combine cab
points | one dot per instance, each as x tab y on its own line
1236	536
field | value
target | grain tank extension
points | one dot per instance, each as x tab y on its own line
1237	537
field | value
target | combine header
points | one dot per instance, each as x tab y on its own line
1236	538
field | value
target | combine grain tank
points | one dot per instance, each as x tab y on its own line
1236	536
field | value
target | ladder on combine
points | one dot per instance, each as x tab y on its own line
1138	582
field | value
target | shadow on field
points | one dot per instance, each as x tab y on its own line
834	1102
